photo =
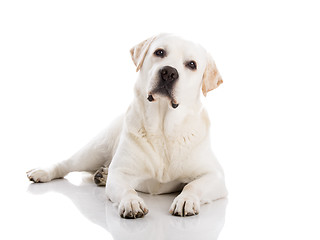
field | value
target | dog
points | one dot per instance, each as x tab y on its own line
162	143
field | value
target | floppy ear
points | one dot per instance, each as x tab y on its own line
211	78
139	52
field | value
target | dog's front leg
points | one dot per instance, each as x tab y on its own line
121	190
202	190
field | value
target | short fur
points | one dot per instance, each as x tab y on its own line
155	147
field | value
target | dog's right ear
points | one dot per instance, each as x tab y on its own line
139	52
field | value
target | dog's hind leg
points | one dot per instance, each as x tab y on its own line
100	176
91	157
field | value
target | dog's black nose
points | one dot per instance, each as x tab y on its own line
169	74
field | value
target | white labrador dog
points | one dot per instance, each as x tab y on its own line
161	144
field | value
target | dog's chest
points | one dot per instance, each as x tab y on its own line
169	155
166	143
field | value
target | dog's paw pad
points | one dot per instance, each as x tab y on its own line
38	175
185	206
100	177
133	208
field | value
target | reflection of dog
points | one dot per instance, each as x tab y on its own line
162	143
89	200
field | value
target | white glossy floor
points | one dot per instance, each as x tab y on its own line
75	208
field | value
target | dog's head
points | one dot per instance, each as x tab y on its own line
175	69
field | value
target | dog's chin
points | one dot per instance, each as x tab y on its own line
153	96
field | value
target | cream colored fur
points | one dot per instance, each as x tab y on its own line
153	147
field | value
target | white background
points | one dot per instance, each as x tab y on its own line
66	72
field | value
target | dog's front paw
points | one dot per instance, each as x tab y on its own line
132	207
185	205
39	175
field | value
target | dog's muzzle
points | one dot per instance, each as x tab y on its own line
167	77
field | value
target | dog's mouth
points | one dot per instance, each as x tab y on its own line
164	88
174	104
163	91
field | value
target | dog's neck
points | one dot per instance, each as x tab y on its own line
160	118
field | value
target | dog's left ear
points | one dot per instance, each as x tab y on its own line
211	78
139	52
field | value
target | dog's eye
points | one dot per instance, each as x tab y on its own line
192	65
160	53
